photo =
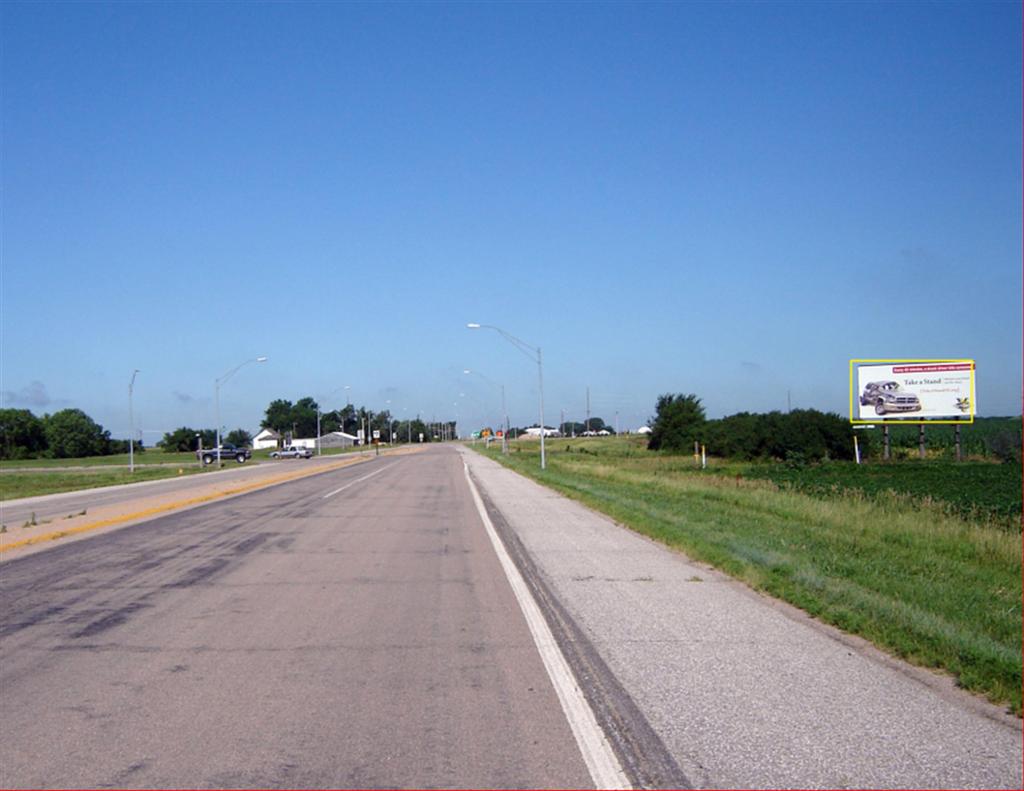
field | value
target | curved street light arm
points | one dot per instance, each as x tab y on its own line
532	352
238	367
216	393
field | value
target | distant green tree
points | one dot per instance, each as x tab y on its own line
419	427
298	419
304	417
677	423
278	416
410	430
121	446
184	439
804	435
382	422
240	438
71	433
347	419
21	434
572	428
330	421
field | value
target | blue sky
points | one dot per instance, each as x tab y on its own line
728	199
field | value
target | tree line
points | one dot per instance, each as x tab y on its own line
69	433
809	434
187	439
576	428
803	434
300	420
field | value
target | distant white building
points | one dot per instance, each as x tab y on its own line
535	432
268	438
338	439
335	439
644	430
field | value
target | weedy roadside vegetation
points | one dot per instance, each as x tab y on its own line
924	577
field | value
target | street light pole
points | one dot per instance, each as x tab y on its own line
534	353
319	412
216	394
504	411
348	402
131	425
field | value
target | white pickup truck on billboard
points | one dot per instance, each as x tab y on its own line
912	390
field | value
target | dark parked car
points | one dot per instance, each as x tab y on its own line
227	451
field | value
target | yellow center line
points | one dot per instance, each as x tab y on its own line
57	534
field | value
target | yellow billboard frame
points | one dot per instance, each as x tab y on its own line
912	421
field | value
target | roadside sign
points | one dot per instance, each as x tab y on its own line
913	391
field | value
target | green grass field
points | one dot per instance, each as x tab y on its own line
905	571
15	484
972	490
146	459
34	477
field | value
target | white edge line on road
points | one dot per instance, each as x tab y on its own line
604	767
357	480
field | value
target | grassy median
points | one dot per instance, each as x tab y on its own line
897	568
32	484
142	459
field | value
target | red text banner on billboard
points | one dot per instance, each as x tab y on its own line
913	391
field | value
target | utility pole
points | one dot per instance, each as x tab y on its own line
588	408
131	426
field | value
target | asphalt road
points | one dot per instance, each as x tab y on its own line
353	629
13	512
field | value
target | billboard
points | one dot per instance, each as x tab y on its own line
912	391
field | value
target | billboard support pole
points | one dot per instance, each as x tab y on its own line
885	441
956	440
920	440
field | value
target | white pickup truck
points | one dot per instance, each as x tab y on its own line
292	452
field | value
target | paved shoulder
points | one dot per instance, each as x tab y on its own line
745	691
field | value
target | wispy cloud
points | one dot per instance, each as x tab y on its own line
33	395
183	398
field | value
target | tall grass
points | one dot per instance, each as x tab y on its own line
936	589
